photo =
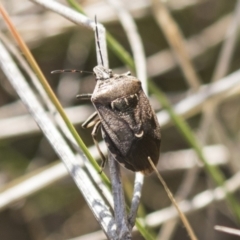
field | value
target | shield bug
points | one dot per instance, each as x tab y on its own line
128	123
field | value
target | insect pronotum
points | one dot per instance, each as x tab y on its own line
123	112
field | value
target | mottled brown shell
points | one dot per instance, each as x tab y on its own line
129	125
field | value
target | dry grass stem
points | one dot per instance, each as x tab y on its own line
37	189
176	41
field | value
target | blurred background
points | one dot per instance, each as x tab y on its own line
210	36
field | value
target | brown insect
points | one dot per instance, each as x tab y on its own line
128	122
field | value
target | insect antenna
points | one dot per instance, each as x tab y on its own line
69	70
98	42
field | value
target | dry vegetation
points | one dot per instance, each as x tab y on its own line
190	50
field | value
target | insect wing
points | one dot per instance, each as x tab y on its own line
131	131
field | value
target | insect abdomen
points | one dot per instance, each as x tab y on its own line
137	157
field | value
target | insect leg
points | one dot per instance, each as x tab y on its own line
94	135
91	121
86	96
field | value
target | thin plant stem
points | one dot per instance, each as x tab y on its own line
181	214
